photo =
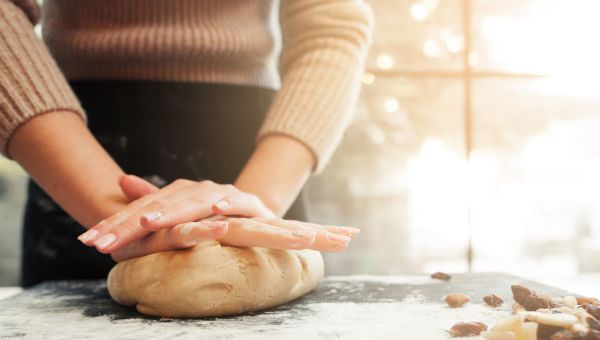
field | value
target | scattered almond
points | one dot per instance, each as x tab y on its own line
532	300
441	276
593	323
457	300
545	331
566	335
493	300
592	310
592	335
467	329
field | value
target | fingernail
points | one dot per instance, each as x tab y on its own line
187	228
338	238
349	230
222	205
217	225
89	235
353	230
153	216
105	241
302	234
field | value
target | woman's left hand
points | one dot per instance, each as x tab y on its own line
177	203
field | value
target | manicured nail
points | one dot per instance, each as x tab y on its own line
217	225
350	231
153	216
105	241
187	228
89	235
353	230
222	205
302	234
338	238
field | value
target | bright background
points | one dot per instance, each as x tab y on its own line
475	145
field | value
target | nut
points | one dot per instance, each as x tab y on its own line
544	331
520	293
512	328
468	329
531	300
592	310
566	335
457	300
517	308
592	335
585	300
441	276
568	301
550	319
493	300
593	323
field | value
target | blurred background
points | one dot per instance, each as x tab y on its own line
475	145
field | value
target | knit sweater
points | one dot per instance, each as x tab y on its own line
324	43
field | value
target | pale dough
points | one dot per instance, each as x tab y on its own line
214	280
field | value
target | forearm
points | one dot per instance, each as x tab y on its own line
276	172
63	157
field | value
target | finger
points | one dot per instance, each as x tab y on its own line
346	231
184	205
242	204
245	232
106	226
324	239
182	236
135	187
191	204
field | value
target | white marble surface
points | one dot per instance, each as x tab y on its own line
348	307
584	284
6	292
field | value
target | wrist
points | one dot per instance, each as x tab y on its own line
64	158
276	171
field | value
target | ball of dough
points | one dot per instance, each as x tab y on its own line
214	280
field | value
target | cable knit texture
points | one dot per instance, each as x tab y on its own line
234	41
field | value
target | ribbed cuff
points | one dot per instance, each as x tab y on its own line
30	81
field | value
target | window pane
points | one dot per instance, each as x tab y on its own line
536	36
417	35
398	175
536	178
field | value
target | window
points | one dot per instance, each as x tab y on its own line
476	143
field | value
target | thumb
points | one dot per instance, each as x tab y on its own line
135	187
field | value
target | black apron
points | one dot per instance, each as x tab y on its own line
157	130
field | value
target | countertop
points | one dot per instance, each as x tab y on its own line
349	307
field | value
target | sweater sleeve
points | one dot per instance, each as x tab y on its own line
30	81
322	61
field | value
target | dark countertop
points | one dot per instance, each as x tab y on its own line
394	307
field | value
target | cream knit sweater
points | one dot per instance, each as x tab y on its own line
222	41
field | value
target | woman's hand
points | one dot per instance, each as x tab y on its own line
182	201
272	233
127	234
